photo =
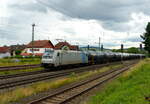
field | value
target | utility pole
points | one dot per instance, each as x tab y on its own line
122	52
88	47
99	43
102	47
122	48
33	25
141	48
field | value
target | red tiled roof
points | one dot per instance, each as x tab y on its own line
25	54
4	49
41	44
38	54
74	47
62	44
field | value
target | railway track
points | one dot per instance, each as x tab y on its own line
2	77
22	80
65	95
18	67
13	81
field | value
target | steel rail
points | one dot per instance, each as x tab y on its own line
18	67
65	95
2	77
6	83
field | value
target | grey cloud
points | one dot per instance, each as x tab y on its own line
30	7
134	39
113	13
69	31
15	28
117	26
11	32
130	39
18	25
99	10
110	45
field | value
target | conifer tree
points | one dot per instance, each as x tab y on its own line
146	38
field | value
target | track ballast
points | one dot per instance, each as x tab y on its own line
18	67
64	96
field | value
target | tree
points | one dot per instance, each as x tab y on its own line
146	38
133	50
18	52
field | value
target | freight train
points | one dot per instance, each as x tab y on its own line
59	58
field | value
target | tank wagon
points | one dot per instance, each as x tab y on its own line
57	58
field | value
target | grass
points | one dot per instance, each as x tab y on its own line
23	61
20	71
35	88
130	88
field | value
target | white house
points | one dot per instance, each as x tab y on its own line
4	52
39	47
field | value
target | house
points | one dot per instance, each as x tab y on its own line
18	47
39	47
65	46
4	52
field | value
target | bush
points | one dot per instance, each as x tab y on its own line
18	52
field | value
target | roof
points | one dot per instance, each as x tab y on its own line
60	45
74	47
4	49
41	44
17	47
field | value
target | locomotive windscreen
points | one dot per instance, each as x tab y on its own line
48	54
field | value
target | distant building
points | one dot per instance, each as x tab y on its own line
65	46
18	47
39	47
4	52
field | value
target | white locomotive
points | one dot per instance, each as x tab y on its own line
55	58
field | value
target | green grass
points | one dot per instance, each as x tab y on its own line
23	61
130	88
19	93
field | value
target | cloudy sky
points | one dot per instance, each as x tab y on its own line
79	22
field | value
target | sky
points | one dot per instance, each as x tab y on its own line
80	22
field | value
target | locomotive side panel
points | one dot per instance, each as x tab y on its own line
73	57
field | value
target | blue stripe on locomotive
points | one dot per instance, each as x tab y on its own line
83	56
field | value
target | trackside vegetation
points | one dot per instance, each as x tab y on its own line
130	88
19	93
19	61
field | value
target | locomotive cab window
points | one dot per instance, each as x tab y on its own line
47	57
